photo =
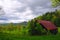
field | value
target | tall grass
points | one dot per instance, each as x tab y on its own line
5	36
19	33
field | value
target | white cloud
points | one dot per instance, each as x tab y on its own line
23	10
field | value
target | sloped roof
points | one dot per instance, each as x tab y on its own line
47	24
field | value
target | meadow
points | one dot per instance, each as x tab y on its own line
5	36
11	35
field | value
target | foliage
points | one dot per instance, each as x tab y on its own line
51	16
14	29
36	28
55	3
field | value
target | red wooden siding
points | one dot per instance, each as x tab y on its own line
47	24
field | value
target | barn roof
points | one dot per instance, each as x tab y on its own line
47	24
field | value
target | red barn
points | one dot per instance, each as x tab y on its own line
48	26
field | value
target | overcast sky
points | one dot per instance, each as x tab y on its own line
22	10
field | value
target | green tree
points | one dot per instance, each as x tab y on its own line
34	27
55	3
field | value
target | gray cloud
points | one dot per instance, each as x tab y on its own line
24	9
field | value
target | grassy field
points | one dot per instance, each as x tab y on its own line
9	36
5	36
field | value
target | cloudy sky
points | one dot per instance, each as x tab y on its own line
22	10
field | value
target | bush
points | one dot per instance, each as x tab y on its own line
35	28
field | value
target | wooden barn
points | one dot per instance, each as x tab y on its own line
48	26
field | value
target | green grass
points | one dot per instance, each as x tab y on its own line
5	36
16	36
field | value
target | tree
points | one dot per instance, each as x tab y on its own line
35	28
55	3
